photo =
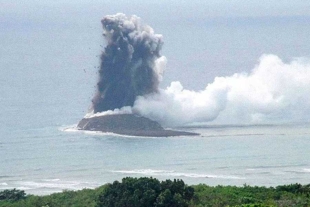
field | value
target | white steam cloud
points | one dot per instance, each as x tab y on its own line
273	92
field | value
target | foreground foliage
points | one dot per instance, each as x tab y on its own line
247	196
146	192
134	192
12	195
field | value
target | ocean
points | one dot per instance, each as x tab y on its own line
50	159
48	74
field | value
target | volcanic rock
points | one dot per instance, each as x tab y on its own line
128	124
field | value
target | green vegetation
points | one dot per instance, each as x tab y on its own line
247	196
81	198
144	192
140	192
12	195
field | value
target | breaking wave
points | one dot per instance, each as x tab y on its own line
150	172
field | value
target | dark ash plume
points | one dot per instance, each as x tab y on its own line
128	62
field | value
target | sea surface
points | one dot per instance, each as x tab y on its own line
50	159
48	76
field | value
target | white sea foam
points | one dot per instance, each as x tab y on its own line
60	185
143	171
70	128
150	172
24	188
54	185
51	180
75	129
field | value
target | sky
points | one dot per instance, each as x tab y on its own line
60	40
42	11
192	30
208	8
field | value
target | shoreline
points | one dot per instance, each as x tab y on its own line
125	190
62	190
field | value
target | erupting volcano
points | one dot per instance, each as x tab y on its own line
131	66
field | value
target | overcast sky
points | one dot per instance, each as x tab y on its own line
194	7
187	34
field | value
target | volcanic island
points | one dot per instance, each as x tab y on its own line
128	124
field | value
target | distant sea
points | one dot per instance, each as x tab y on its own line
50	159
48	77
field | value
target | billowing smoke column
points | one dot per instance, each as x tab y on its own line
129	62
273	92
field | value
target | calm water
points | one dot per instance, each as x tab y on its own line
48	74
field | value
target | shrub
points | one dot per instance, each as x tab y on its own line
12	195
140	192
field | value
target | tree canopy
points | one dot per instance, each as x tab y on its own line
143	192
